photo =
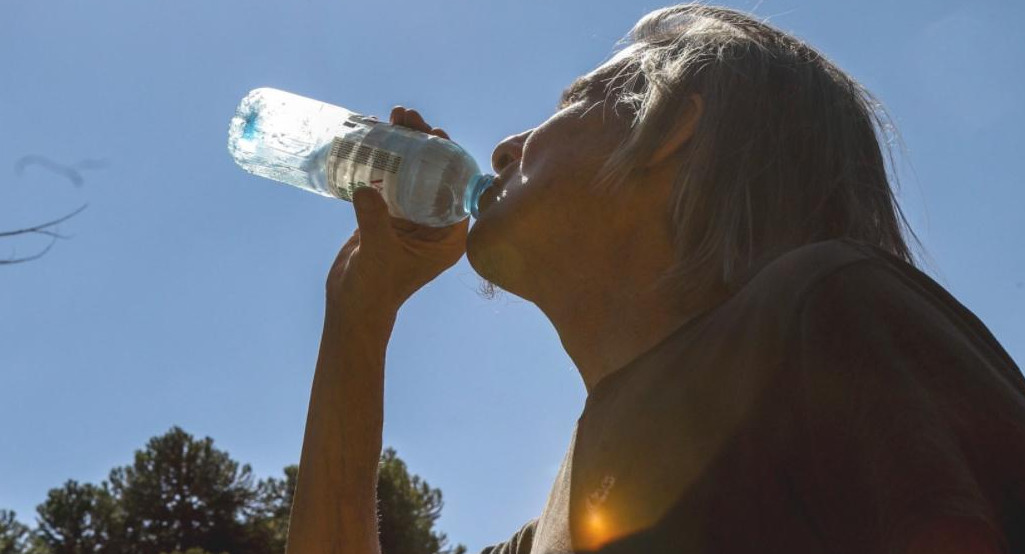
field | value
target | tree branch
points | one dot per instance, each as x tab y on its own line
41	229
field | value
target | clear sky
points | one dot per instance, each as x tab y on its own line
190	292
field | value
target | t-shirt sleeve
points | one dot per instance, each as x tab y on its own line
520	543
880	458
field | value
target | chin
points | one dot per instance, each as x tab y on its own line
477	252
494	259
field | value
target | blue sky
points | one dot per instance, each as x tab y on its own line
191	292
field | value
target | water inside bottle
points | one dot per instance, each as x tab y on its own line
275	135
423	178
331	151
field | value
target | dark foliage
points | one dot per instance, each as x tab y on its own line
183	496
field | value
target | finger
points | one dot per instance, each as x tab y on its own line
353	239
398	115
352	243
438	132
371	216
346	251
416	121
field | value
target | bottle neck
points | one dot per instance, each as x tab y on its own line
478	184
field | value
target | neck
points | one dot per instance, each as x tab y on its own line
604	328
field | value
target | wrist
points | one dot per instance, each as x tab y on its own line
361	318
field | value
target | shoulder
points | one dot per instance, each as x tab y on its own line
840	286
801	269
847	278
872	298
871	287
783	281
880	312
757	319
772	298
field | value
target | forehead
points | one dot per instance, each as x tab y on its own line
599	79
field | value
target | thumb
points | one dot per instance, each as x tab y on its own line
371	213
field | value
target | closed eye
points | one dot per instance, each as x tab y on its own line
574	93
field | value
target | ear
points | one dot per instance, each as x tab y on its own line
682	132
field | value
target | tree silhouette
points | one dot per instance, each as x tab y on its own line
79	518
183	496
276	497
408	509
15	536
183	493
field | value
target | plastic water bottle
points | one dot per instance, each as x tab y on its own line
331	151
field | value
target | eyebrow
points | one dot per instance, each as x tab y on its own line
574	90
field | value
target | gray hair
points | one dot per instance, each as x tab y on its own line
788	150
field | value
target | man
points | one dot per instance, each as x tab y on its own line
708	223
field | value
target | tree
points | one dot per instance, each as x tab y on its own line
276	506
183	496
15	537
76	519
408	509
181	493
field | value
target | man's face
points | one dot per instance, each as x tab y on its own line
542	220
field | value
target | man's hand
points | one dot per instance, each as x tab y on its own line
387	259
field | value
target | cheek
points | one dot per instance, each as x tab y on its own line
571	160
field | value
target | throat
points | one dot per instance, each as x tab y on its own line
608	336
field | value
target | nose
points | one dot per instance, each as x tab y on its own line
509	151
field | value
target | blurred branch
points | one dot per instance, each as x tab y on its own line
41	229
71	172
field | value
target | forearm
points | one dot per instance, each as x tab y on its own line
335	505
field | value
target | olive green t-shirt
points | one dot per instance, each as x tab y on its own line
840	401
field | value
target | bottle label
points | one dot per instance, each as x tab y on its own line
352	163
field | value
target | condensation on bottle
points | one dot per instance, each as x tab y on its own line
332	151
